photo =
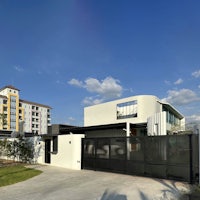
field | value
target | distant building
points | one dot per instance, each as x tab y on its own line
22	115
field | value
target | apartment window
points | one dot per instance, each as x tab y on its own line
13	99
5	101
127	110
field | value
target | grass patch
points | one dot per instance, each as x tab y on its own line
14	174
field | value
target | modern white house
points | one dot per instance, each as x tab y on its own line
143	115
61	145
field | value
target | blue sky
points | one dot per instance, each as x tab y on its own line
74	53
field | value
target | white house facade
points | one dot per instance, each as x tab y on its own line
157	117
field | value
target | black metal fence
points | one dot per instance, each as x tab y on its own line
169	157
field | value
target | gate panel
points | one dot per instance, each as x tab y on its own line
169	157
118	154
156	156
88	153
179	157
135	156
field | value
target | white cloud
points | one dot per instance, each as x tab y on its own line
105	89
167	82
18	68
196	74
92	101
181	97
75	82
71	119
193	118
178	82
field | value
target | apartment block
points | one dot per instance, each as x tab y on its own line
22	115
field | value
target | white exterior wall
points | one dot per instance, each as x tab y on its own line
6	91
27	117
106	113
68	154
157	125
43	120
39	147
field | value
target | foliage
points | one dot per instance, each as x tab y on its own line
13	174
3	120
20	148
3	146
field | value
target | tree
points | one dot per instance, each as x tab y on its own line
21	149
3	120
3	147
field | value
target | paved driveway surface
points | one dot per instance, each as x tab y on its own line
64	184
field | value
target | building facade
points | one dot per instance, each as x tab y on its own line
147	111
21	115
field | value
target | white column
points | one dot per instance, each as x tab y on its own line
127	129
128	135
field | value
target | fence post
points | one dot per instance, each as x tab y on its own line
191	158
199	156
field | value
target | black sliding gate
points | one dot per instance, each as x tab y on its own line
169	157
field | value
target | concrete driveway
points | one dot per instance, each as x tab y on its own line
64	184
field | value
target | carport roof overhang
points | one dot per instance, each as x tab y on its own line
81	130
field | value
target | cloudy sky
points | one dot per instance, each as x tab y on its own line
69	54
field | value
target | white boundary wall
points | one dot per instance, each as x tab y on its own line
68	154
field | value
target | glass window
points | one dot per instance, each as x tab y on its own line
127	110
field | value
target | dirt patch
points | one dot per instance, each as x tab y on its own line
5	163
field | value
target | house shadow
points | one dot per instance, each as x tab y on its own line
171	191
113	195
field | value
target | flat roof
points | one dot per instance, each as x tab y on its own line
34	103
79	130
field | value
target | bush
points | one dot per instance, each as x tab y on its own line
20	148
